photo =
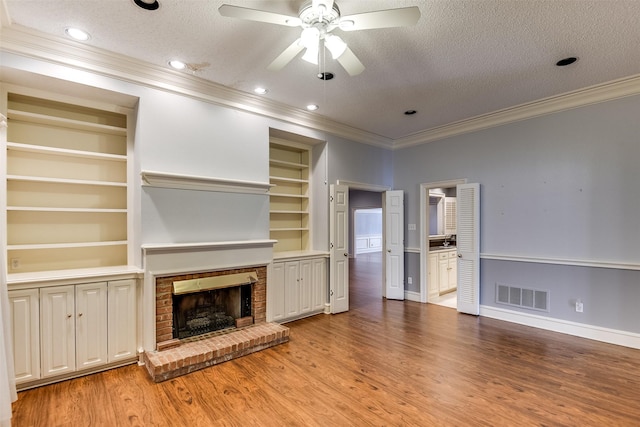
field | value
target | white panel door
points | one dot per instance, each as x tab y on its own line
91	325
468	241
339	253
394	244
57	330
25	326
122	318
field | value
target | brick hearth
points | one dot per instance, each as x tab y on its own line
191	356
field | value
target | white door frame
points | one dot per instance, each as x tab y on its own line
424	229
352	185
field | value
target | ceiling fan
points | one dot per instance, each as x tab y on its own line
318	18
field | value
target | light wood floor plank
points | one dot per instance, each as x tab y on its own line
384	363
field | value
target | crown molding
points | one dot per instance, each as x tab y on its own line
36	45
608	91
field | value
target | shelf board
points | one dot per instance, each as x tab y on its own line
52	209
37	179
290	229
292	180
290	165
290	212
66	123
65	245
30	148
293	196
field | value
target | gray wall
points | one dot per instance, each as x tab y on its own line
561	186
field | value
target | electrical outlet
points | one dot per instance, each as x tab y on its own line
15	263
579	306
409	280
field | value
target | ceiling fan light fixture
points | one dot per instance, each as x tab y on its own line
311	55
335	44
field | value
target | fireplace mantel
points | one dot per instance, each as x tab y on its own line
162	259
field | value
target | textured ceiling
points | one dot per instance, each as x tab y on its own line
464	58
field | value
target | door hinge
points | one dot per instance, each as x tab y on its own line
330	198
331	245
331	293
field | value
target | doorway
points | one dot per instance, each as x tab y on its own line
365	238
438	262
341	251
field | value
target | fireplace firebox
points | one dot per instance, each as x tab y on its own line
210	304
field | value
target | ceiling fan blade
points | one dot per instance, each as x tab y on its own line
258	15
351	63
285	57
402	17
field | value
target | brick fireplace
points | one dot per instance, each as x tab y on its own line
167	355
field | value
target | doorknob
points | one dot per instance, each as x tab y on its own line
459	255
389	250
346	254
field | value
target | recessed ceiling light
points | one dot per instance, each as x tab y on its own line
312	107
566	61
147	4
261	90
410	112
77	34
178	65
325	76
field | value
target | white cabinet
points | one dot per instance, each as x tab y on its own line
91	325
60	330
432	278
73	327
122	320
57	330
296	288
25	318
447	271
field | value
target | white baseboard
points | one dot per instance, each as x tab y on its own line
412	296
597	333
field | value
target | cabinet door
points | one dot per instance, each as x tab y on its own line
91	325
306	286
291	288
453	270
275	293
443	275
24	316
57	329
319	284
432	278
122	320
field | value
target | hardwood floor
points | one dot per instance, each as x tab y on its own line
384	363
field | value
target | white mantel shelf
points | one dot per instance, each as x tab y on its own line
202	183
186	247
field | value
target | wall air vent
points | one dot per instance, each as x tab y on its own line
533	299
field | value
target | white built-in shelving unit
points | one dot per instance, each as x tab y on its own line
289	173
66	186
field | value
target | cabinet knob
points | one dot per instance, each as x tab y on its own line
80	315
68	316
459	255
346	254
